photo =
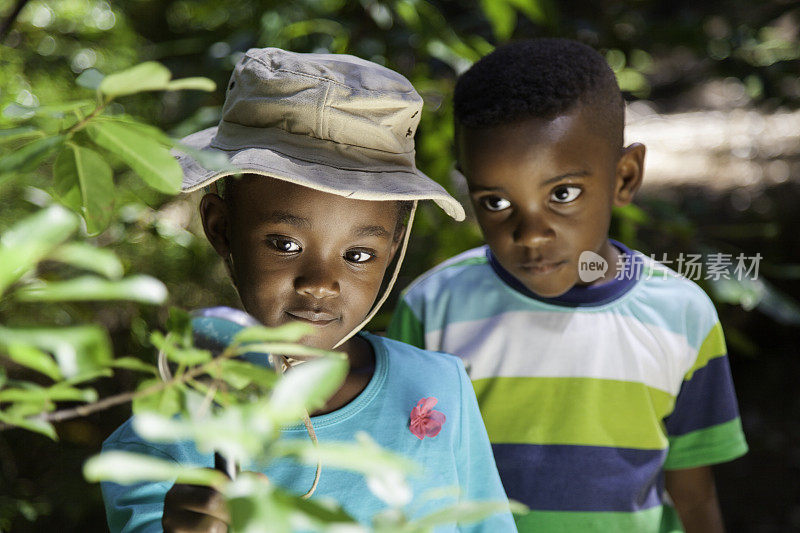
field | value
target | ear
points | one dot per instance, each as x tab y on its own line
216	223
630	171
396	244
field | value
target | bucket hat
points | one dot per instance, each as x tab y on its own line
332	122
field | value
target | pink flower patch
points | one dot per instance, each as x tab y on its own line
425	422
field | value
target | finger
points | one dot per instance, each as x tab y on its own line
197	499
185	521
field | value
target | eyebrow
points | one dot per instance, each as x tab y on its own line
371	231
575	174
282	217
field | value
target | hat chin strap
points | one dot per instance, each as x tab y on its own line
283	363
392	280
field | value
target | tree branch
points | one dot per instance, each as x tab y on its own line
111	401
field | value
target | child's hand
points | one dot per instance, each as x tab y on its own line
192	508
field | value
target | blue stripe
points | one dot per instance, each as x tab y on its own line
581	478
705	400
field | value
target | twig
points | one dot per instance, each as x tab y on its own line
111	401
97	110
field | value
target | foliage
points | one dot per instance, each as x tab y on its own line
661	51
222	404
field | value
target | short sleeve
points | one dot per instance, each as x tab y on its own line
405	326
704	427
477	472
137	507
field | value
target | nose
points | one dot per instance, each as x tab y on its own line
532	230
317	281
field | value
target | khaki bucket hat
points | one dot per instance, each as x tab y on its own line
332	122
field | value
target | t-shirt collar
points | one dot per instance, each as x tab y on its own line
581	295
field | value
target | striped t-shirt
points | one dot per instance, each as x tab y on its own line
588	397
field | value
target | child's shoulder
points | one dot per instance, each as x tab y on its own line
450	271
416	365
666	298
410	356
664	285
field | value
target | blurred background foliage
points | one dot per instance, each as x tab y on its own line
673	57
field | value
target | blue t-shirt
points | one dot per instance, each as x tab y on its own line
459	456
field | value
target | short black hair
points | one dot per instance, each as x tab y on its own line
541	78
225	188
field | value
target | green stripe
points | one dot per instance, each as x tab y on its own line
652	272
661	519
716	444
406	327
582	411
713	346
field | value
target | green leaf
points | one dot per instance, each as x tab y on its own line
464	513
126	467
16	134
198	84
35	359
57	393
323	511
31	424
140	128
364	456
186	356
84	182
179	323
533	9
19	112
291	332
142	289
88	257
307	386
90	79
79	350
30	156
254	507
502	17
28	241
293	350
633	213
132	363
148	158
166	401
147	76
241	431
240	374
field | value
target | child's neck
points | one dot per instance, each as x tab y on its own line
361	358
611	254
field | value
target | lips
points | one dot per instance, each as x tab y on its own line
314	317
542	267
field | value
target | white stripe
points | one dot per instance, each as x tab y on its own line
551	344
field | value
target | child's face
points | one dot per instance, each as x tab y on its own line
303	255
543	191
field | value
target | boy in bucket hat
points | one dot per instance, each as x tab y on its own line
325	144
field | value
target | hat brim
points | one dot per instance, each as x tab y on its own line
376	183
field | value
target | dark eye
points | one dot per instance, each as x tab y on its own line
494	203
285	245
565	193
358	256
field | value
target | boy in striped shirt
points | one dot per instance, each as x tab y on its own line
602	376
